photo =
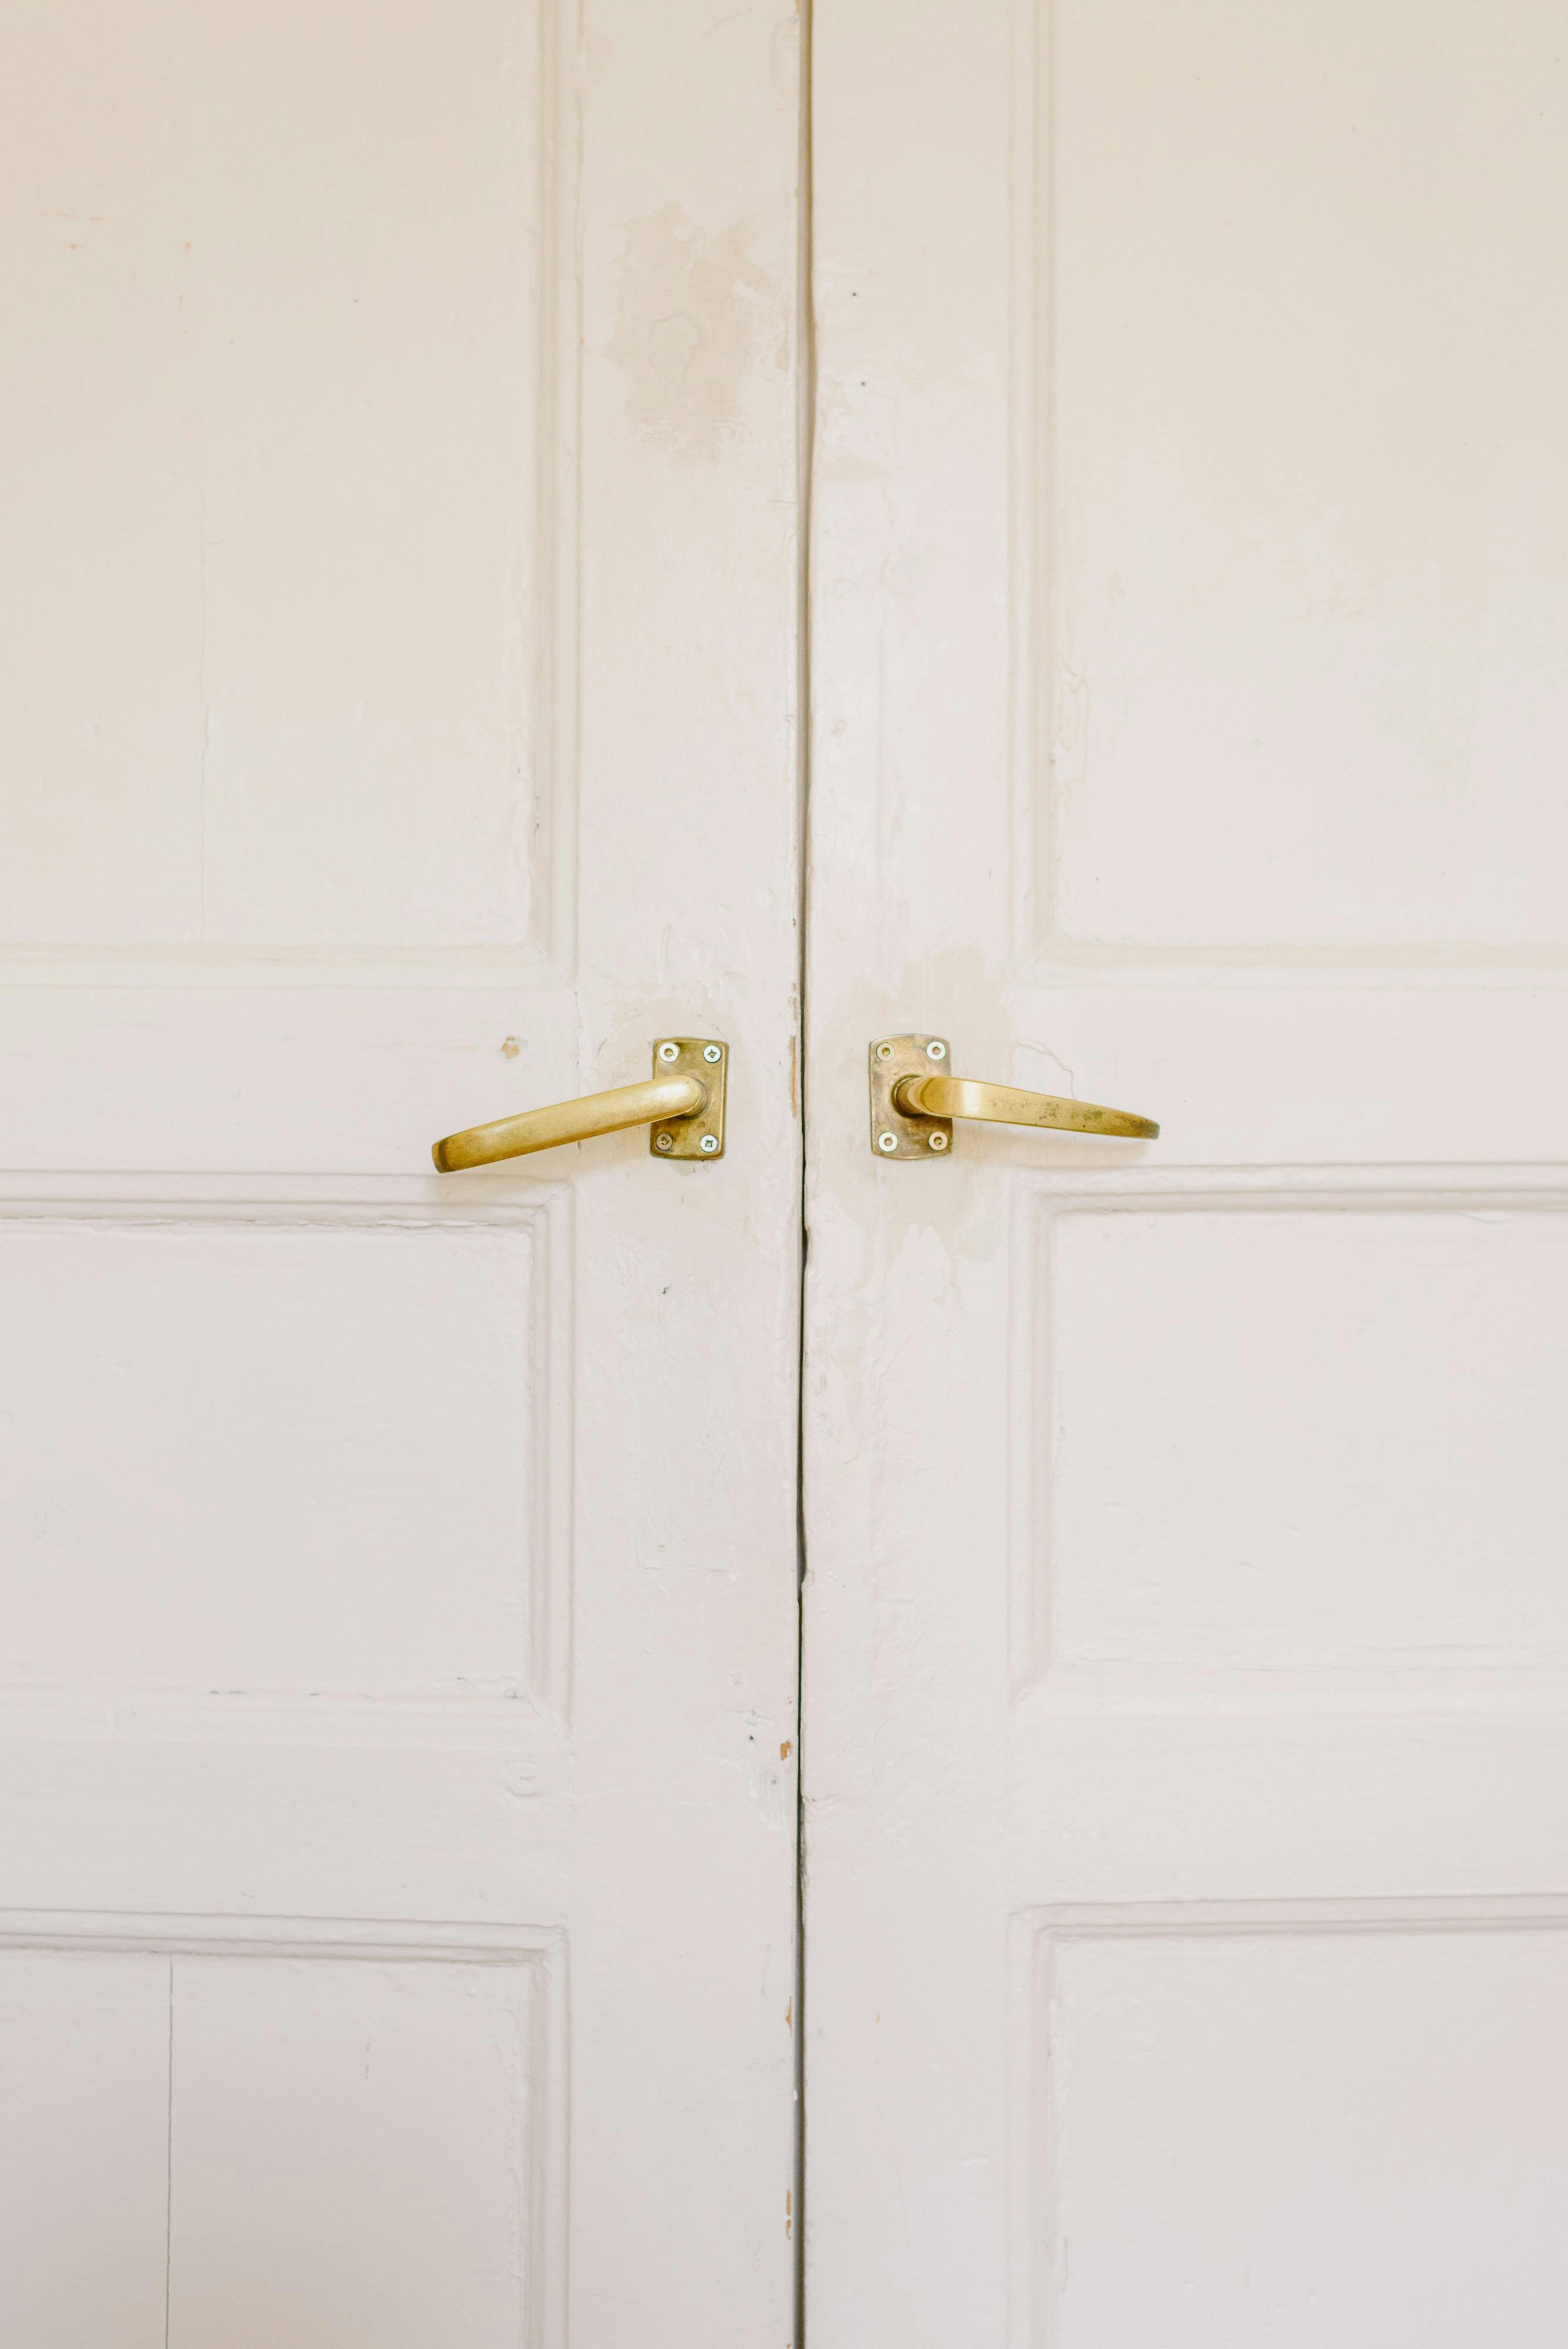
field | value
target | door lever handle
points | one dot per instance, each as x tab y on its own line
683	1101
914	1101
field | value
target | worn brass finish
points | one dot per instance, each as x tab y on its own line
914	1101
678	1102
572	1121
700	1134
1006	1105
896	1132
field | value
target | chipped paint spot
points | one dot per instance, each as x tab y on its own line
786	1749
693	312
511	1049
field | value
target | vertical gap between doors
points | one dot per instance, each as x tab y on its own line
805	429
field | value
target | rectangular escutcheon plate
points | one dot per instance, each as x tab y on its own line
904	1134
701	1136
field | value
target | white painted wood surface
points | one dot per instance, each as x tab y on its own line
397	671
1187	1661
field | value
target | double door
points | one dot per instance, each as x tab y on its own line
1034	575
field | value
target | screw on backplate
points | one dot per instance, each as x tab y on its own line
669	1052
886	1142
664	1142
712	1051
710	1143
935	1142
936	1050
884	1051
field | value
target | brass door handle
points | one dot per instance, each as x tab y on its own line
914	1101
683	1101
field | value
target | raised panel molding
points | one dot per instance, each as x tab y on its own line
1175	2157
525	1720
1340	1666
1444	698
538	1954
539	822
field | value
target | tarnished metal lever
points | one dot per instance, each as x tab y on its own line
914	1101
685	1109
950	1097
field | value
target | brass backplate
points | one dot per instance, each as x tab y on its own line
903	1133
684	1137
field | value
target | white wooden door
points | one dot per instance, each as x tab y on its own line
1187	1651
397	675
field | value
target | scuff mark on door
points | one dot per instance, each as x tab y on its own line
693	310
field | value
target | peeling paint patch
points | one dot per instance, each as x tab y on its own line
693	312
